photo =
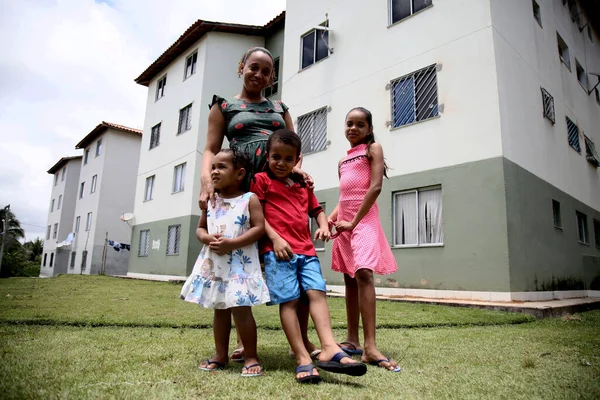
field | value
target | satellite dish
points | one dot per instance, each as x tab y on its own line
127	217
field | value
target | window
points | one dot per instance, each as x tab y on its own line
179	178
98	147
144	243
77	222
55	231
563	51
160	87
573	135
400	9
45	258
548	104
63	173
83	259
581	75
597	233
590	34
59	202
48	229
185	119
582	227
81	190
312	129
55	179
149	188
556	214
271	90
173	239
52	206
155	136
86	156
418	218
94	181
597	92
315	46
414	97
312	222
537	14
51	259
590	152
72	264
190	65
88	222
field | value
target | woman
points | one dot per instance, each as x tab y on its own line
247	120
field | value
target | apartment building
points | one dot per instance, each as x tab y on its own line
487	110
61	211
181	83
105	192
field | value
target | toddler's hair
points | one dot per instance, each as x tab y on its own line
370	138
239	159
254	50
285	136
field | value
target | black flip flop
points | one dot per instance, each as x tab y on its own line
312	378
352	351
335	366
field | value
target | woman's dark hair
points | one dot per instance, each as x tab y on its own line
254	50
370	138
285	136
239	159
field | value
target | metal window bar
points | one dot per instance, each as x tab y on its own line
173	239
573	135
72	265
414	97
83	259
312	129
548	105
155	136
185	119
590	152
144	243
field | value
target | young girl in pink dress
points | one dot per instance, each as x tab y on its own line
360	247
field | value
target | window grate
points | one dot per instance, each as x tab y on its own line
155	136
185	119
590	152
173	240
548	104
312	129
415	97
573	135
144	243
83	259
73	255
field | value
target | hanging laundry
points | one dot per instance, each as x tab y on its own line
119	246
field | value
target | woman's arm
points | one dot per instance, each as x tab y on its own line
257	229
377	168
214	141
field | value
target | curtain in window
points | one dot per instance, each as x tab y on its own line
406	226
430	217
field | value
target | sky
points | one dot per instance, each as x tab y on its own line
67	65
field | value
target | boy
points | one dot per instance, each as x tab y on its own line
291	264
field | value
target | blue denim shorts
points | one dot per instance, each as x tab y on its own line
287	279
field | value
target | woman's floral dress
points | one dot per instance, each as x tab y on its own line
234	279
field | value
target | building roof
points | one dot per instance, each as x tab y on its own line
103	126
195	32
56	167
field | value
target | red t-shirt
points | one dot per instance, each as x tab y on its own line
286	208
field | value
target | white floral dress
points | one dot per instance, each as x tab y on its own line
234	279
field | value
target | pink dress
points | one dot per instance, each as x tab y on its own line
366	245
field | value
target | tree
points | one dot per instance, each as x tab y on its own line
17	259
35	248
14	232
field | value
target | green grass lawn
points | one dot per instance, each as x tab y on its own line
99	337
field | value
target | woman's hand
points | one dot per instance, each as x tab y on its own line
310	183
207	193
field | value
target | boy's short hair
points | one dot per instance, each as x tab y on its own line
285	136
238	158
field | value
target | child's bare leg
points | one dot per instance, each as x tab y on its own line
239	348
291	327
352	311
221	331
319	311
368	309
246	327
303	312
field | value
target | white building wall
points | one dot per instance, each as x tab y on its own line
368	54
527	59
218	57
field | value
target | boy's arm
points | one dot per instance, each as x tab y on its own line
282	249
323	233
